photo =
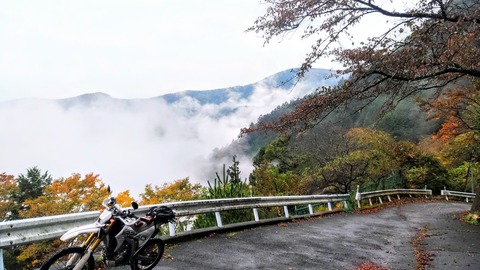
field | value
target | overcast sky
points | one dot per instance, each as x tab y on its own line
135	49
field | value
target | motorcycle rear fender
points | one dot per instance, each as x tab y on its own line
85	229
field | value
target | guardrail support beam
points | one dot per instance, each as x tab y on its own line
1	260
285	209
171	228
255	214
219	219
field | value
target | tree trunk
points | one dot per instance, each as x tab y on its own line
476	201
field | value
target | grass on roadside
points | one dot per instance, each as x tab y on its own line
472	218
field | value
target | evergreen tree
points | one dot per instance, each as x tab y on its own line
30	186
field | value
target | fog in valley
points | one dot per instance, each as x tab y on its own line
130	143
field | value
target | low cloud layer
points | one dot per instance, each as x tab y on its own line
129	143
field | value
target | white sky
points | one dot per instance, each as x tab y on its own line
132	49
135	49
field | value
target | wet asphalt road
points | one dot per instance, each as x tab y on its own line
342	241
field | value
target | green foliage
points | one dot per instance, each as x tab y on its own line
30	186
473	218
428	172
228	185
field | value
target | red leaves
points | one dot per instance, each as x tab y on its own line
439	49
371	266
422	256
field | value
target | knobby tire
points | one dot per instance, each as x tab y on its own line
149	255
59	260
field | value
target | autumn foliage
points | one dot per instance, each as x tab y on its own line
428	50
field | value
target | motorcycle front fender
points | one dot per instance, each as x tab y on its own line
85	229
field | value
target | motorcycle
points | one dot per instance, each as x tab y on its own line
126	238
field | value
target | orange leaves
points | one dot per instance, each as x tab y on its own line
8	187
370	266
449	129
124	198
420	50
179	190
67	195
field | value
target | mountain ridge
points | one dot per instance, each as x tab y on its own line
283	80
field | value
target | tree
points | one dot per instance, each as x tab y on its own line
62	196
9	188
460	133
68	195
430	45
30	186
435	43
179	190
124	198
234	171
228	185
366	157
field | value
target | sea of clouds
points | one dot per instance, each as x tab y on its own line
130	143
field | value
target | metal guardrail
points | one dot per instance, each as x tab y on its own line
465	195
31	230
388	193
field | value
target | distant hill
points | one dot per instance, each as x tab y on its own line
228	99
285	80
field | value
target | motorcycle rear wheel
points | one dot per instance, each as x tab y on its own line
149	255
60	260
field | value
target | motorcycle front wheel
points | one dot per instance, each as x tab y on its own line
66	259
149	255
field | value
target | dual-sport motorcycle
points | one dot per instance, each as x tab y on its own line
124	238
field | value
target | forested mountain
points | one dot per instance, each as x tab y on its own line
406	122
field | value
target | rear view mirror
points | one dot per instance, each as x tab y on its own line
135	205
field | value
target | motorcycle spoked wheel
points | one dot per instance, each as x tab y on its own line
149	255
66	259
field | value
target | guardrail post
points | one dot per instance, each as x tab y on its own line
255	214
310	209
345	205
389	199
1	260
171	229
285	209
445	192
370	201
358	197
380	199
398	196
426	196
219	219
329	206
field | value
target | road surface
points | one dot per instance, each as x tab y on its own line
341	241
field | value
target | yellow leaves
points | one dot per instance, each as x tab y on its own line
179	190
8	187
124	198
67	195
